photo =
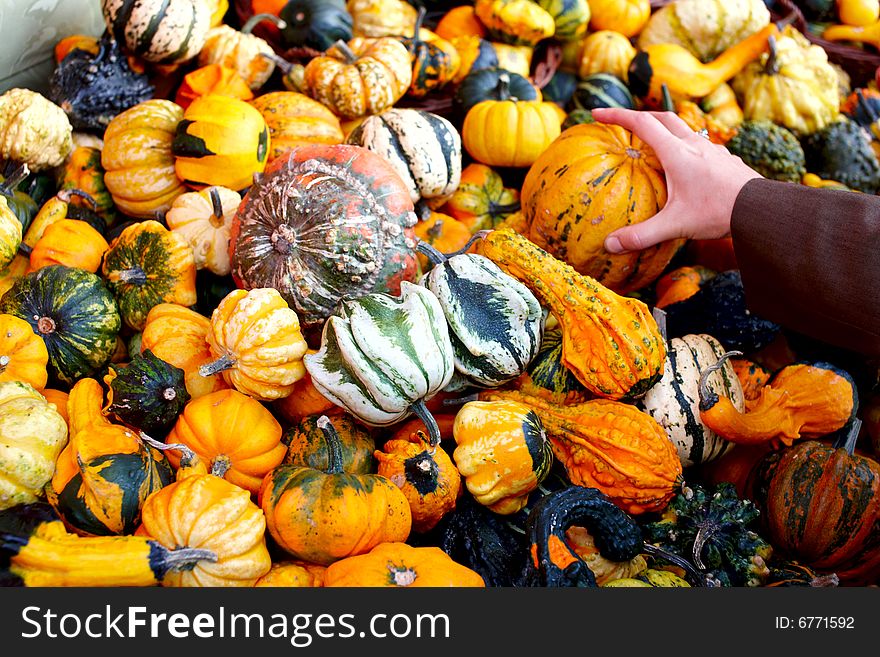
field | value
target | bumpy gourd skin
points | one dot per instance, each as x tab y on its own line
842	152
33	130
769	149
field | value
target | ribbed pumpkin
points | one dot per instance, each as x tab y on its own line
72	243
204	220
625	16
33	130
610	179
493	83
307	445
241	51
315	23
83	171
602	90
482	201
520	22
475	53
163	31
604	51
460	21
570	17
435	61
382	18
293	574
294	120
23	355
443	233
137	158
10	233
148	265
305	400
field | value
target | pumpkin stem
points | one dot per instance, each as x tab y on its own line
4	361
280	62
221	364
334	450
7	187
421	411
46	325
480	234
772	65
785	22
220	466
420	18
216	206
708	399
504	86
25	250
187	456
692	574
433	255
849	440
347	52
435	231
461	401
668	104
254	20
509	208
135	275
185	558
65	195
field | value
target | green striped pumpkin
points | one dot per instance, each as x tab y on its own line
73	312
602	90
571	17
675	400
162	31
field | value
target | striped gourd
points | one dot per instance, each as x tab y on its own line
675	400
602	90
495	322
571	17
547	377
423	148
165	31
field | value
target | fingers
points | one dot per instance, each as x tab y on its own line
674	124
646	127
658	228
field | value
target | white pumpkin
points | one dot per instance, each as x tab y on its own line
204	220
163	31
242	52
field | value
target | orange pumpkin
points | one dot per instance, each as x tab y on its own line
72	243
23	354
458	22
293	574
304	400
295	119
625	16
482	201
443	233
212	79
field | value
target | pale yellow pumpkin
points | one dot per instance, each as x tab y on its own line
204	220
33	130
379	18
604	51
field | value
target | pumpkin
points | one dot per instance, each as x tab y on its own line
602	90
674	401
423	148
493	83
32	435
213	79
33	130
204	220
460	22
83	171
57	208
547	377
294	120
307	445
241	51
382	18
604	570
475	54
280	238
482	201
680	284
293	574
316	24
325	516
178	336
443	233
502	452
74	314
218	11
869	34
426	476
361	78
137	158
10	234
235	436
723	106
520	22
516	59
74	42
305	400
69	242
625	16
23	354
611	179
22	205
560	89
148	393
148	265
435	61
569	16
13	272
735	467
162	31
394	564
858	13
752	377
604	51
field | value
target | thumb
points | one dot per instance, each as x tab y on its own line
658	228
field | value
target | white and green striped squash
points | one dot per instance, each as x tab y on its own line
675	400
163	31
495	322
602	90
423	148
571	17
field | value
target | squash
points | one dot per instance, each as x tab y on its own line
295	120
220	141
560	89
752	377
60	207
33	130
218	11
22	205
394	564
323	517
604	51
137	158
519	22
83	171
213	79
256	342
602	90
570	17
680	284
32	435
502	452
305	400
74	314
293	574
858	13
475	54
493	83
161	31
10	234
548	378
482	201
516	59
315	24
460	22
280	238
23	354
382	18
435	61
628	17
241	51
204	220
842	152
443	233
307	445
74	42
235	436
426	475
423	148
723	106
869	34
148	265
604	570
69	242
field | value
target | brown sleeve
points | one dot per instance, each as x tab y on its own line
810	260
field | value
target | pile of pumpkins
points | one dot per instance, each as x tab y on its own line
266	320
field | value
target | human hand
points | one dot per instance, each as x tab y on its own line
703	180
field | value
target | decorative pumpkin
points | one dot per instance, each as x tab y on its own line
307	445
12	198
295	120
625	16
560	89
612	179
502	452
493	83
162	31
394	564
83	171
241	51
516	59
722	106
520	22
316	24
604	51
293	574
752	377
858	13
32	435
604	570
137	158
548	378
569	16
178	336
74	42
218	11
57	208
14	271
435	61
869	34
23	355
280	238
69	242
364	77
33	130
204	220
148	265
597	325
382	18
482	201
423	148
235	436
475	54
10	234
459	22
680	284
305	400
443	233
735	467
602	90
213	79
74	314
323	517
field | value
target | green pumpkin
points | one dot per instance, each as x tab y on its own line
307	445
561	88
74	314
317	24
548	378
492	84
571	17
602	90
148	394
577	117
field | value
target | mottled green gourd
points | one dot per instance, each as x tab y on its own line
769	149
842	152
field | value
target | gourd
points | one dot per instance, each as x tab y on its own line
288	234
83	171
769	149
32	435
10	234
858	13
33	130
13	198
69	242
241	50
293	574
570	17
295	120
220	141
235	436
722	105
435	61
841	152
423	148
602	90
752	377
475	54
305	400
315	23
606	571
23	355
382	18
307	445
680	284
256	342
869	34
502	452
162	31
519	22
74	314
604	51
148	265
56	209
361	78
137	158
204	220
611	179
458	22
443	233
322	517
213	79
625	16
493	83
548	378
560	89
482	201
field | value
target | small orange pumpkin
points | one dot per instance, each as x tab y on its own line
294	120
443	233
293	574
212	79
72	243
23	354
